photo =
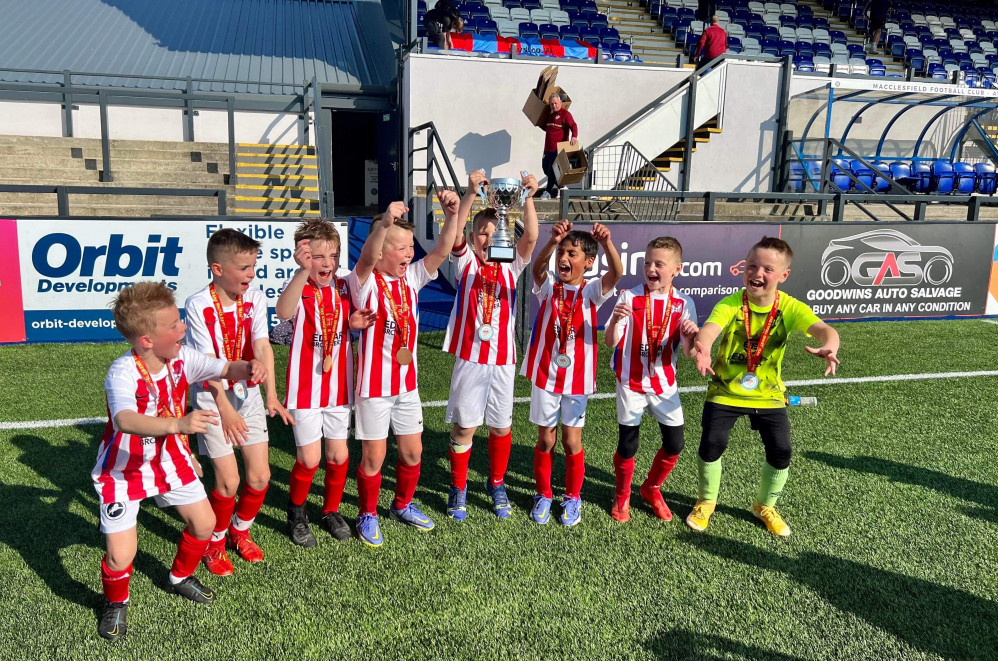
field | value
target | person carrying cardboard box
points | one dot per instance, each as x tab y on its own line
560	126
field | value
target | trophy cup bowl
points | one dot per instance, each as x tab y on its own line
503	195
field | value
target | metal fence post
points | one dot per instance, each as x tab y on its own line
839	208
62	200
708	206
105	139
67	103
189	108
974	208
919	211
230	107
691	101
223	207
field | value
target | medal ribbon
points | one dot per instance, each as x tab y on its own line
174	408
566	315
490	281
753	358
656	333
329	323
399	311
232	345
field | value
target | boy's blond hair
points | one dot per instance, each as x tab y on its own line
666	243
776	244
226	242
317	229
136	306
488	214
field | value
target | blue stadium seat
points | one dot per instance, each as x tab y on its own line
549	31
786	47
838	37
589	35
488	26
610	35
795	182
734	45
987	179
840	179
943	177
569	32
529	30
598	21
863	174
770	47
965	178
901	173
922	173
531	4
880	184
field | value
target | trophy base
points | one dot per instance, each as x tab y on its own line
502	253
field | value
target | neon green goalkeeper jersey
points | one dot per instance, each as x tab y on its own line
730	365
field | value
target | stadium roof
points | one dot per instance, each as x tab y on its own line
279	43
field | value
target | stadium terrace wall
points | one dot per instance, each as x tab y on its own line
845	271
476	105
162	124
58	276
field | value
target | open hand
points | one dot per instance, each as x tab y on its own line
830	358
274	407
234	428
362	319
196	422
702	359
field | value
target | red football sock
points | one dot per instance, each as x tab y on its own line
406	479
300	483
250	502
368	489
575	471
332	492
623	470
542	472
499	447
115	582
459	467
189	553
661	466
222	506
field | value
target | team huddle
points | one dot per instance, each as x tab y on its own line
145	450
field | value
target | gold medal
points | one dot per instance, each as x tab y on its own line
403	356
327	363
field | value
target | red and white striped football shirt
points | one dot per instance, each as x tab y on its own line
133	467
468	314
579	378
630	357
204	332
378	373
308	386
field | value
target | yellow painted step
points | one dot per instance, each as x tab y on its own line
264	175
274	146
251	198
274	188
271	165
279	212
276	157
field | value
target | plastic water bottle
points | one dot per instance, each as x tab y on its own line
795	400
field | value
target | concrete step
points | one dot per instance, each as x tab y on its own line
275	149
275	203
278	213
284	159
174	179
271	192
46	175
111	200
137	211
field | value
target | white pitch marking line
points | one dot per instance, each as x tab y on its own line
833	381
990	321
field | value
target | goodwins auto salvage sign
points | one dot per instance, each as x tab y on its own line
69	271
885	270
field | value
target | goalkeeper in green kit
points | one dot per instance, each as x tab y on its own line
753	325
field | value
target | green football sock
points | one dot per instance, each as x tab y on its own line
710	479
771	487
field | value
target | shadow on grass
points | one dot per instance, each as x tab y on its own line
985	495
936	619
683	645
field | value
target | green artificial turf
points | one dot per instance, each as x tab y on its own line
893	501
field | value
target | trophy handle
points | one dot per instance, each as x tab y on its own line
523	195
481	194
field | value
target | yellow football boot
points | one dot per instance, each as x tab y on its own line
700	516
774	522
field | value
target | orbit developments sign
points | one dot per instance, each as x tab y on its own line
885	270
58	277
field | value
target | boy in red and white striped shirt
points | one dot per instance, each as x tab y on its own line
387	281
480	335
228	319
320	375
144	451
561	361
648	325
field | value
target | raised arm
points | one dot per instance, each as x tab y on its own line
829	348
467	202
539	268
450	202
614	268
525	246
371	252
288	300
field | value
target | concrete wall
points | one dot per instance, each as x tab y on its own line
740	158
164	124
476	105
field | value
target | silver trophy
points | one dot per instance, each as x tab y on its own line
503	195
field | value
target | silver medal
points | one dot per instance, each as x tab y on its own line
239	388
750	381
563	360
485	332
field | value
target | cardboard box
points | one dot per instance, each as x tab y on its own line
571	164
536	108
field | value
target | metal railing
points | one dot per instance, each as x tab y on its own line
62	193
623	169
439	171
572	210
185	94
